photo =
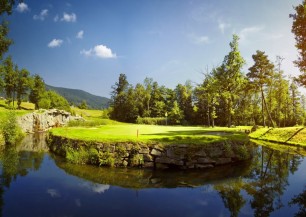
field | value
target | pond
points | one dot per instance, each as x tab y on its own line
34	182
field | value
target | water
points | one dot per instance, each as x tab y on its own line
37	183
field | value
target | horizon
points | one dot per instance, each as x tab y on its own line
68	43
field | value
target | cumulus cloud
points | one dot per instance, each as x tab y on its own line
70	18
43	14
80	34
55	43
100	51
22	7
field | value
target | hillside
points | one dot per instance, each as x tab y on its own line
75	97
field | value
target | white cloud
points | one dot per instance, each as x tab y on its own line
80	34
222	26
69	17
56	18
22	7
100	51
249	31
55	43
196	39
43	14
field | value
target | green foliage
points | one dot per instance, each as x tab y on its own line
80	156
57	101
176	115
151	121
37	91
243	152
10	129
298	28
83	105
106	159
93	156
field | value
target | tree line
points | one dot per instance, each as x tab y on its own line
227	96
19	85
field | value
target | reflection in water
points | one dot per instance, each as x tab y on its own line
258	187
300	200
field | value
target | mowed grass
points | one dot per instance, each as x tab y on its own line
288	135
152	134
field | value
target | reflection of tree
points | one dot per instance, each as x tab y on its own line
269	183
13	164
231	197
265	183
300	200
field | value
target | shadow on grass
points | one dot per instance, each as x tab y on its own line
195	136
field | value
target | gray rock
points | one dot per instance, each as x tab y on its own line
224	160
202	166
155	152
205	161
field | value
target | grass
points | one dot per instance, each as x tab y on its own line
150	134
286	135
88	114
26	108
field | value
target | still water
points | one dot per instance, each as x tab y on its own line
34	182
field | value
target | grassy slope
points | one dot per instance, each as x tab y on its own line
287	135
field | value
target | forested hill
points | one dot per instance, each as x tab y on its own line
75	97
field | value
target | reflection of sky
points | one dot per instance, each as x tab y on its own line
53	193
94	187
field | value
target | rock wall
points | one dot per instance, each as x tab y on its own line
153	155
43	120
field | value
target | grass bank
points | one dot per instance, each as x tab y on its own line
151	133
287	135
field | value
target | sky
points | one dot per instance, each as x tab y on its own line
87	44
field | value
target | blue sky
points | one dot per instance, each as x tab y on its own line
87	44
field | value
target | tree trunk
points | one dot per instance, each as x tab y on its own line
269	114
262	111
208	115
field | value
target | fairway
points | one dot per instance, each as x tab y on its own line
149	133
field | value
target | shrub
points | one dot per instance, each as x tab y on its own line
80	156
10	129
151	121
106	159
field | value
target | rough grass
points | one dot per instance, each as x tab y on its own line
287	135
149	133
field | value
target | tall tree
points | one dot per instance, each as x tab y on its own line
119	99
6	6
23	85
37	90
299	29
260	74
10	79
230	78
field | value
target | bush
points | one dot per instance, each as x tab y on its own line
151	121
10	129
77	156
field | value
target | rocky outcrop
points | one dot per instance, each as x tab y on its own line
153	155
43	120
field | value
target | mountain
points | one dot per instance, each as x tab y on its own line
75	97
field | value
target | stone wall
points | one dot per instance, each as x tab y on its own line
154	155
43	120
